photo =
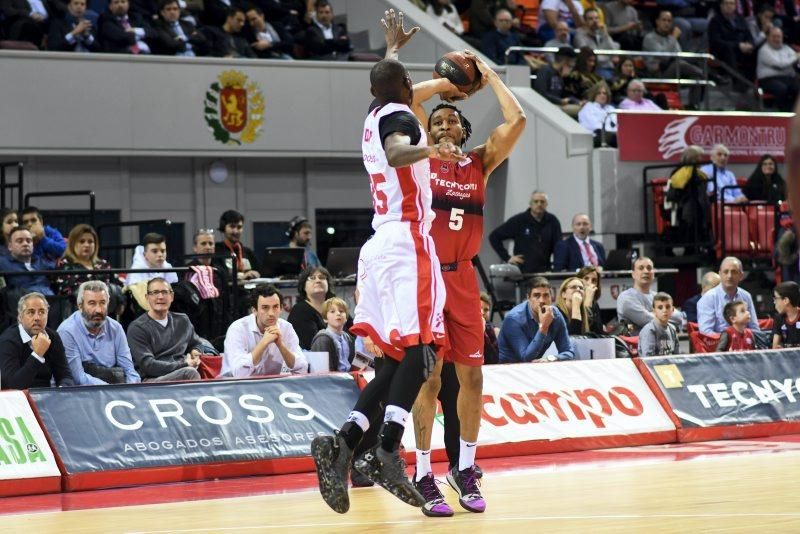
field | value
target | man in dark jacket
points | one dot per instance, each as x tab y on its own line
228	41
75	32
324	39
730	40
550	81
122	32
267	40
176	37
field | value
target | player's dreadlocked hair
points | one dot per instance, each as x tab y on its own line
465	124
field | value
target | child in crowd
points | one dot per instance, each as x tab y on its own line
659	337
737	336
334	340
786	329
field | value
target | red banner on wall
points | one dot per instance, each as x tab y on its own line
662	137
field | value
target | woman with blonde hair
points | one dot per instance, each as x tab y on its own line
80	257
591	296
570	302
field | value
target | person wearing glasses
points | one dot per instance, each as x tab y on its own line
163	343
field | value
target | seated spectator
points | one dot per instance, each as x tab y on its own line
730	40
163	343
213	316
490	331
553	11
299	234
32	355
710	308
578	250
598	112
24	20
635	99
591	297
561	39
594	36
635	304
9	218
687	199
720	176
21	259
262	343
231	224
709	281
766	183
570	303
80	257
324	39
584	76
227	40
626	73
760	24
776	70
737	336
175	36
659	337
623	24
446	14
307	315
48	242
121	32
494	43
75	32
785	331
151	254
268	41
550	81
339	345
528	34
95	344
532	326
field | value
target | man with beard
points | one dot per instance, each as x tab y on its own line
95	344
299	234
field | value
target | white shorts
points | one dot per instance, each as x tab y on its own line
401	292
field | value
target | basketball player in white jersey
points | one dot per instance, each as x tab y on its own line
399	280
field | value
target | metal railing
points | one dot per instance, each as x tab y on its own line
5	186
90	194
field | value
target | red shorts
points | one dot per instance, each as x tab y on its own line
463	322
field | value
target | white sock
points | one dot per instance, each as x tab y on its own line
423	464
396	414
360	419
466	455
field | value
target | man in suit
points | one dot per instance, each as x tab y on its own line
176	37
73	33
32	355
268	41
228	41
578	250
122	32
25	20
324	39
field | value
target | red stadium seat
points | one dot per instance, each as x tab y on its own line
736	240
632	342
702	343
762	228
766	324
659	213
692	327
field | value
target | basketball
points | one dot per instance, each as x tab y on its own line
460	70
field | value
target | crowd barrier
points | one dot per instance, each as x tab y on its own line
84	438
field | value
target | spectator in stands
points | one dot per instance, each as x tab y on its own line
598	112
730	40
776	70
151	254
595	36
227	41
635	99
626	73
659	337
785	331
709	281
710	308
561	38
687	200
231	224
25	20
174	36
623	24
324	39
121	32
262	343
81	259
719	174
737	336
579	250
570	303
490	331
299	234
760	24
446	14
552	11
308	316
532	326
583	77
535	233
635	304
32	355
591	297
269	41
75	32
21	259
163	343
339	345
47	241
494	43
95	344
550	81
766	183
213	314
9	218
528	34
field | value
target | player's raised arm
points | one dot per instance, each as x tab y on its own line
424	91
503	138
396	36
400	152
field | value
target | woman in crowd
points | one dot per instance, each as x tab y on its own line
10	221
81	260
313	289
626	71
766	183
785	332
583	77
570	302
591	297
598	111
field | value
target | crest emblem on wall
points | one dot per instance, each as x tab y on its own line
234	109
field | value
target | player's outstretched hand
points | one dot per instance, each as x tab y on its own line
396	36
483	68
447	152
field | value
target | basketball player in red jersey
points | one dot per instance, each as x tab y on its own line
399	281
458	197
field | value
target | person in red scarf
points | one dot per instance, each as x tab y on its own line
737	336
231	224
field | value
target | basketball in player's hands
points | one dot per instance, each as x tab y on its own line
460	70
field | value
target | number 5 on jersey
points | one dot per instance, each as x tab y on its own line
456	219
379	199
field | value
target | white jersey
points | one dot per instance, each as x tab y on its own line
398	194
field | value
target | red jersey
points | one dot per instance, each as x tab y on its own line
459	193
737	341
